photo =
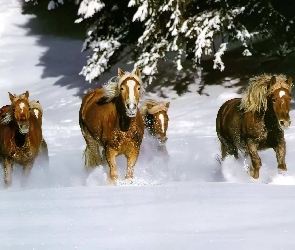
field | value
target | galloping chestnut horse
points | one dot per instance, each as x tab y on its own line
257	121
111	123
20	138
155	118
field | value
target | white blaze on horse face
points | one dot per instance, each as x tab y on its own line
22	105
36	112
282	93
161	117
132	99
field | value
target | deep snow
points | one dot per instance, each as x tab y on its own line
187	201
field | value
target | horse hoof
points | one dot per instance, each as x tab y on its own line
282	167
253	172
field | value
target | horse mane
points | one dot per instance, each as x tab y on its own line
255	98
112	87
156	107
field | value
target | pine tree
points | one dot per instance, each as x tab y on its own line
152	31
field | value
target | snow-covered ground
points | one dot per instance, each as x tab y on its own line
184	201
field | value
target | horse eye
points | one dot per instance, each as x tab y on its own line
273	100
138	88
122	88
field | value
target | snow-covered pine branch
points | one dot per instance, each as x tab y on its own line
161	34
89	7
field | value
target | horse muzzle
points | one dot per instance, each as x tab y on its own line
23	128
162	140
284	124
131	112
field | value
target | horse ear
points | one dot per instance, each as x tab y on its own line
272	81
120	72
11	96
27	94
136	72
167	104
289	81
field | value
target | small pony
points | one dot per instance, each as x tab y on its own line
111	123
155	118
20	136
257	121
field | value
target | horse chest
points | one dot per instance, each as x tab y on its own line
131	137
24	154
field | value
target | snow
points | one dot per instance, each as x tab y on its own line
184	200
89	7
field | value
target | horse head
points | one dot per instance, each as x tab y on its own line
130	90
21	111
159	120
279	99
37	110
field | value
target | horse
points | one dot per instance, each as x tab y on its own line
155	118
111	124
257	121
20	138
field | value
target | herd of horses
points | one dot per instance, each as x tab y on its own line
113	120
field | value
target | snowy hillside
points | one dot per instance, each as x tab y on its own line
184	201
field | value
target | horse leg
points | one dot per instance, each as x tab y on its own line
111	159
43	152
7	165
280	150
26	173
255	159
228	148
131	160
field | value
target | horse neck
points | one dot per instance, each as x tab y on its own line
124	120
19	138
270	118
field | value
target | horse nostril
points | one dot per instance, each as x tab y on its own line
128	105
282	123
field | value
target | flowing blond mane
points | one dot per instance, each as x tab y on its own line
112	87
156	107
255	98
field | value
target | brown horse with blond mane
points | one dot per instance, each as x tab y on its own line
20	136
111	123
257	121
